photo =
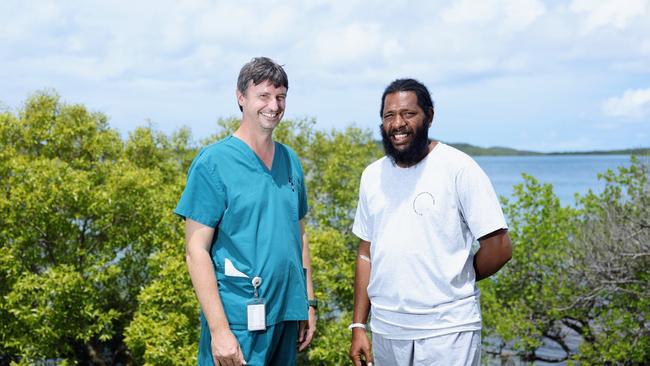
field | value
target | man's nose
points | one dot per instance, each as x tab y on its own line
398	121
275	104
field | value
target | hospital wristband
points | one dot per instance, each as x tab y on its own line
356	325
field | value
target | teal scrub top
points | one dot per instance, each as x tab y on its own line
255	212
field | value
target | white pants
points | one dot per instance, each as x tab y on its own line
458	349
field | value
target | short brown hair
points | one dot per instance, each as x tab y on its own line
261	69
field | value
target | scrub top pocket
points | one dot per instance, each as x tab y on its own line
234	293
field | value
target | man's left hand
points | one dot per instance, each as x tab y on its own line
306	330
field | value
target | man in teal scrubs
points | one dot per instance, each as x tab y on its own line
246	249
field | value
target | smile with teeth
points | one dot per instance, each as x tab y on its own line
269	114
400	136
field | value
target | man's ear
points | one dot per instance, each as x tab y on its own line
240	97
431	119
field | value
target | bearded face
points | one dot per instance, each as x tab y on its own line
405	129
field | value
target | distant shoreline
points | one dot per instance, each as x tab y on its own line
474	150
506	151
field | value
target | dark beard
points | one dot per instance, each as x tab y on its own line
414	153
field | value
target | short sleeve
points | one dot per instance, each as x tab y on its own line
203	199
361	227
478	201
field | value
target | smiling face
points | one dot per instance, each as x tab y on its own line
404	128
262	104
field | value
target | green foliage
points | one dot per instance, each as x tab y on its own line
43	302
519	300
332	342
581	270
335	161
615	267
333	276
165	328
83	212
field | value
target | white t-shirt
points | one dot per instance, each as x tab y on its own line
421	222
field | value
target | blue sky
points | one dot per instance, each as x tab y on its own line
529	74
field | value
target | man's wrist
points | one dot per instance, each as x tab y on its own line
313	303
220	328
357	325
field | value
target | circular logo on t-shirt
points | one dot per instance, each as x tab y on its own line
423	203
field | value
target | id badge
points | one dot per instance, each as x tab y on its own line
256	311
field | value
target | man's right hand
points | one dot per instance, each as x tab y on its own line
226	350
360	347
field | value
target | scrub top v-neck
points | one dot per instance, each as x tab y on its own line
247	149
255	212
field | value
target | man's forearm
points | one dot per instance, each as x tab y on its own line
361	280
203	278
494	253
198	239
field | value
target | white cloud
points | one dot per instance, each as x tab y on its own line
601	13
521	14
466	11
633	104
343	52
20	17
510	15
348	44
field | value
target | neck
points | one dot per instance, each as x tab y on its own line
261	143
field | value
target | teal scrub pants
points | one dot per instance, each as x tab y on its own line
275	346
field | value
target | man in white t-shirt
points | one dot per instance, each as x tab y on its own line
420	209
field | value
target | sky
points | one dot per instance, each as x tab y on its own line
528	74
